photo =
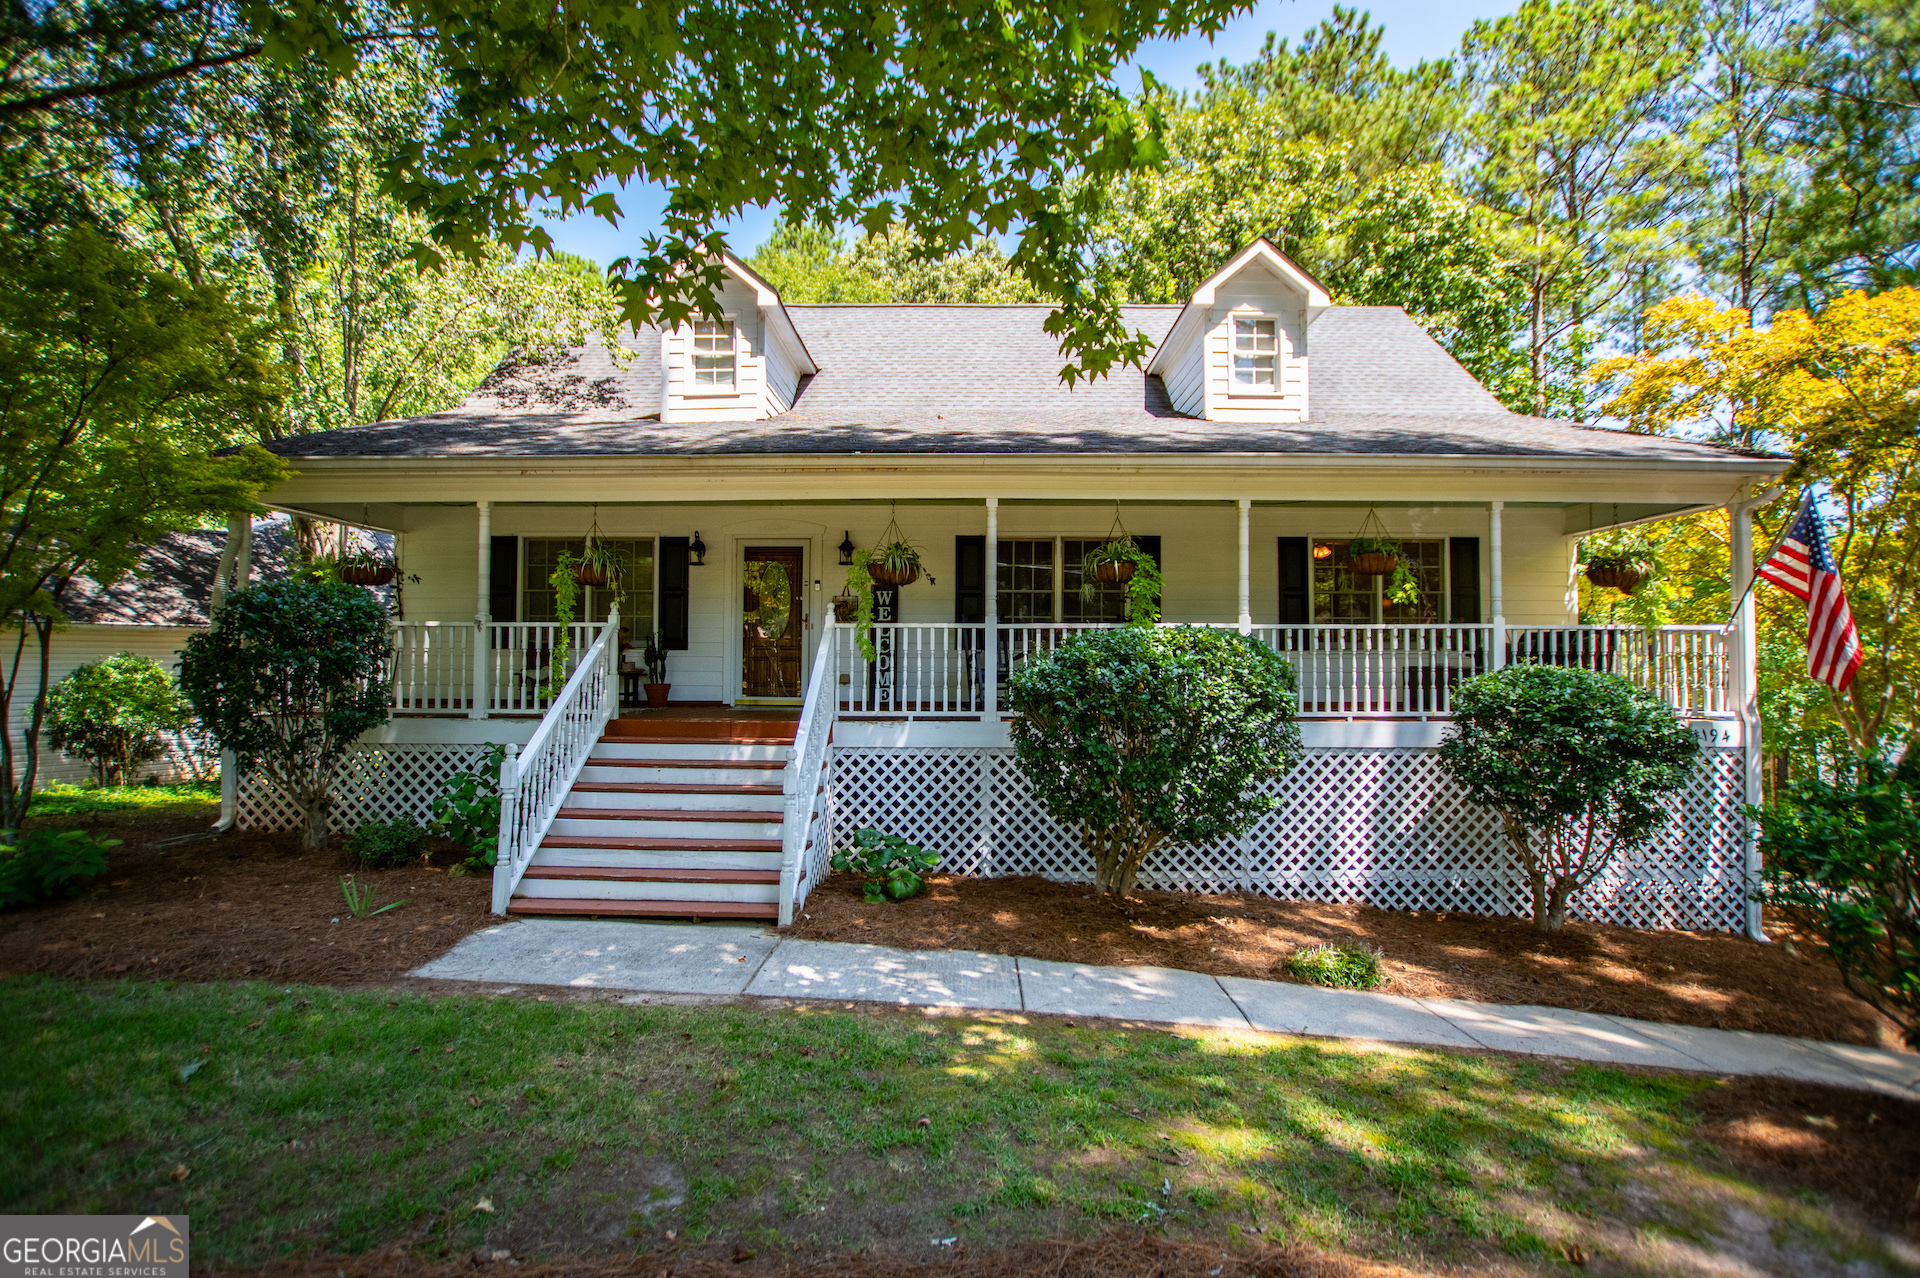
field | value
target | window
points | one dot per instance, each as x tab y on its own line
1108	602
538	557
1025	580
712	355
1344	598
1039	581
1256	351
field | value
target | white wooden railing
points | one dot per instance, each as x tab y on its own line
939	668
433	664
806	839
534	781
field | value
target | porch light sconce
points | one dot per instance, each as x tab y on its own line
696	551
846	549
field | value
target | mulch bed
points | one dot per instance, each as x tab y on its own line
1688	978
241	906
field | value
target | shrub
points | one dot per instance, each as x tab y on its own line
1841	860
468	809
46	864
117	714
386	845
287	678
1578	765
890	868
1347	965
1146	737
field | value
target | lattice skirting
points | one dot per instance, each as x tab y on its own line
375	783
1381	826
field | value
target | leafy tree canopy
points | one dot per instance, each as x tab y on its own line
808	264
117	714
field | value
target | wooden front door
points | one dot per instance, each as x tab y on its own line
773	622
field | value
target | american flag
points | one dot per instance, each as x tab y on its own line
1802	566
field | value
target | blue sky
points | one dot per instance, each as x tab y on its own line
1414	30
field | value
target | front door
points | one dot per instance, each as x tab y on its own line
773	621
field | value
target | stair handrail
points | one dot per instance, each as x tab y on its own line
535	779
804	794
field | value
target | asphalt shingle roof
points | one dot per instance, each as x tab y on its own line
986	379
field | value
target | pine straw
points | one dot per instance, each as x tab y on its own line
1117	1255
1686	978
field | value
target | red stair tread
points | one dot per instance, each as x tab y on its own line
654	739
628	874
716	815
767	765
670	787
675	909
632	843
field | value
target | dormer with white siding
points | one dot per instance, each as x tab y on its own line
745	366
1238	350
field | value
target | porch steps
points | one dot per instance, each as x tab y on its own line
677	824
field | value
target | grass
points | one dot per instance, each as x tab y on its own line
1344	966
330	1120
56	802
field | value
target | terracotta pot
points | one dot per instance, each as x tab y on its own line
589	575
1616	576
893	578
1372	564
656	694
363	575
1117	573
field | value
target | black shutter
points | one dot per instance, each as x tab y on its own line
1296	582
1152	546
1463	600
970	579
673	592
503	579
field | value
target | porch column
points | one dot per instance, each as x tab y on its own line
243	563
1743	659
482	632
239	530
1246	594
1495	511
991	657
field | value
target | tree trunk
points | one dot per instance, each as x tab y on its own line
314	837
1558	901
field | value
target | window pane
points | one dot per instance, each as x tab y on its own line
712	353
635	583
1340	597
1255	348
1024	580
1109	603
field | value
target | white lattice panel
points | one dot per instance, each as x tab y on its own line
375	783
1381	826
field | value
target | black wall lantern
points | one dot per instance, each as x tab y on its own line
846	550
696	551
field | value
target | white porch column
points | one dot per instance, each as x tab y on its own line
991	657
1495	512
243	564
239	533
1743	685
1246	593
482	632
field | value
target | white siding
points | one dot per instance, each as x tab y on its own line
748	400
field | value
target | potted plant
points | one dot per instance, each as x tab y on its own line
368	567
654	655
1120	561
596	565
894	563
1625	571
1111	563
1373	556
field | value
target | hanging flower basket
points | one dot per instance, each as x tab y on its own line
1372	563
590	575
1617	574
366	574
1371	553
893	576
1114	573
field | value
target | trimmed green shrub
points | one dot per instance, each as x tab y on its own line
1841	860
386	845
288	677
1346	965
117	714
45	864
890	868
1149	737
1579	766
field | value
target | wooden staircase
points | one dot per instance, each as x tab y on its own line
676	819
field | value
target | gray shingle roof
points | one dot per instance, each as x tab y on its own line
986	379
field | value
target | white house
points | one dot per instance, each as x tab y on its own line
1266	429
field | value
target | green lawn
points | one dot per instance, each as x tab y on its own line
330	1120
57	804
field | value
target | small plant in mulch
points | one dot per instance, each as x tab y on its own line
1345	965
468	810
890	868
387	845
45	864
360	899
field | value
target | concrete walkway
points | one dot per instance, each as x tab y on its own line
722	960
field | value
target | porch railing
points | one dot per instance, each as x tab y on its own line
805	833
939	668
434	666
534	781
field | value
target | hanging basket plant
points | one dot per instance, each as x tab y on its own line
1617	572
1119	561
894	563
597	565
1371	552
364	568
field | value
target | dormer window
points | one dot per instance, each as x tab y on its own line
713	355
1256	351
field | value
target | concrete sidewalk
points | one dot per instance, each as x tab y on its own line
730	960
